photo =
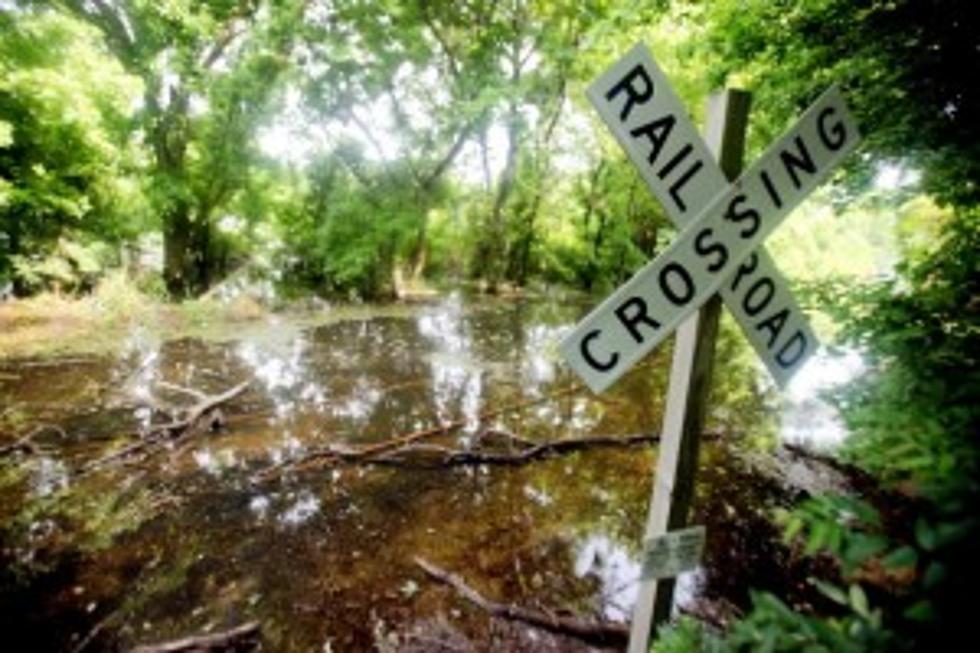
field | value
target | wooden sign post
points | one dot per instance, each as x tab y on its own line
712	260
687	394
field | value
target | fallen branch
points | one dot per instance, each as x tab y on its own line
448	457
597	633
204	413
408	438
333	454
432	456
241	638
26	443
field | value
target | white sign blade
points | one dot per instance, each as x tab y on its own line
648	307
671	553
635	99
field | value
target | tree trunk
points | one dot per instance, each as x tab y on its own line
178	261
188	267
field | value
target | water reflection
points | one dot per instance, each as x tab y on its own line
305	506
562	533
49	476
616	568
457	380
540	360
807	418
280	366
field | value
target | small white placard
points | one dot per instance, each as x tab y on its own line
670	554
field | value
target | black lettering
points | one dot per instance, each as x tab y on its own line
639	315
634	95
746	268
590	359
682	154
681	296
657	131
835	139
753	307
792	162
734	215
773	195
675	188
786	361
774	324
704	248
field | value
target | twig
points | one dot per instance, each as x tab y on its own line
593	632
244	637
173	387
92	634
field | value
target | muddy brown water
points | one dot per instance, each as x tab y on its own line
188	542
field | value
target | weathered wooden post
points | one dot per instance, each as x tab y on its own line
690	385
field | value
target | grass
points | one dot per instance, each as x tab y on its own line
51	324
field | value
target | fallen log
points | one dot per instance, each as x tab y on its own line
596	633
241	638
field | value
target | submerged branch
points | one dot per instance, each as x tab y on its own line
203	415
241	638
449	457
26	442
376	452
433	456
611	634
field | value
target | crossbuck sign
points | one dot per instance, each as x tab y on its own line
722	226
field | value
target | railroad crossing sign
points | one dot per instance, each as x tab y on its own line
721	224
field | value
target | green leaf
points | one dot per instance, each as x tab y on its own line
818	537
925	535
6	134
935	574
859	600
920	611
832	592
793	527
905	556
861	547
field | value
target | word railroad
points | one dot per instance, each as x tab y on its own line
721	224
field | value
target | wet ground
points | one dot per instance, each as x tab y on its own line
189	542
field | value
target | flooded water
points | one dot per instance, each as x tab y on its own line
190	540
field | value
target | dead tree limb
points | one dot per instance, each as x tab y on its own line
425	455
241	638
26	442
408	438
448	457
332	454
201	414
597	633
